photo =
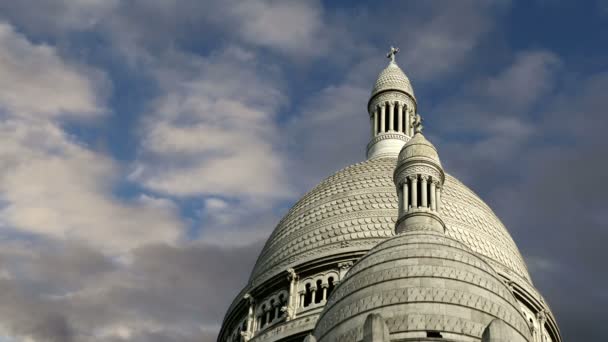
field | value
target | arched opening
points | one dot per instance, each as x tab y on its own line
271	317
307	296
387	115
330	287
395	118
319	292
263	323
282	303
418	193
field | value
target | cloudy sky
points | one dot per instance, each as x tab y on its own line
143	141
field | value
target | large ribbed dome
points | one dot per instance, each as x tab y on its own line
421	281
392	78
356	208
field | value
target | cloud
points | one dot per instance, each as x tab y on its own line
36	82
213	131
50	183
164	293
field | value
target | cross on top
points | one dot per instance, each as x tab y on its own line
391	54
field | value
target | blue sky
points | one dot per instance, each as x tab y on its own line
145	140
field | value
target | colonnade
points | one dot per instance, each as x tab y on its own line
391	117
419	191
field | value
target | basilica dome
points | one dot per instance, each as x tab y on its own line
356	208
301	280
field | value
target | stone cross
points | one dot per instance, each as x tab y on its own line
391	54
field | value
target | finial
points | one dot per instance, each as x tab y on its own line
417	124
391	54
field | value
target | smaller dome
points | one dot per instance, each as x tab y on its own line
420	282
419	148
393	78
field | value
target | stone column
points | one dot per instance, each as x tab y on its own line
382	118
301	303
423	197
277	311
400	197
433	199
375	124
250	314
313	291
438	197
292	298
324	286
391	116
414	180
268	316
400	117
406	129
406	196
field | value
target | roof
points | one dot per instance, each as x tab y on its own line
393	78
356	208
421	281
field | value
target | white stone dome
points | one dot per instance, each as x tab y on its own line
356	208
420	148
393	78
419	282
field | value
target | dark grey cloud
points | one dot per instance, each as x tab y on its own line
163	293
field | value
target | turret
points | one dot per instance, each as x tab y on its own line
419	178
391	108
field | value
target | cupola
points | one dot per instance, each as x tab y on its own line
419	178
391	108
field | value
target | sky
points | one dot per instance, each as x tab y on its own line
150	146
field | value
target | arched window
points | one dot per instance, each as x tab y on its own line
282	303
272	311
395	117
307	296
263	316
319	292
331	286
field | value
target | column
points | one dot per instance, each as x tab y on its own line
407	120
438	198
423	197
414	180
301	303
400	197
433	199
268	316
277	309
405	196
382	118
375	124
371	125
391	116
324	286
292	298
250	314
313	290
399	117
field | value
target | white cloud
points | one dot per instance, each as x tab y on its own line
36	82
213	131
50	184
54	187
295	27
